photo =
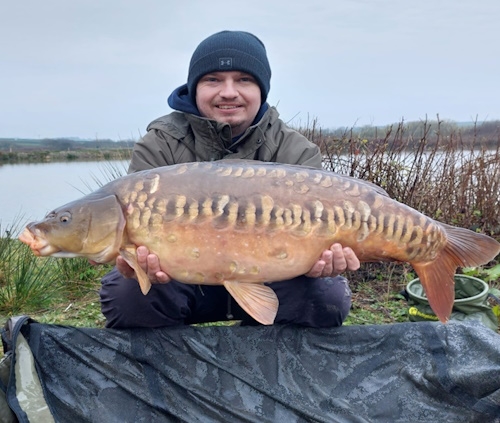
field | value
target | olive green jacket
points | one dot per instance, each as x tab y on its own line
182	137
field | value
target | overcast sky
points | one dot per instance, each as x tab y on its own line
104	68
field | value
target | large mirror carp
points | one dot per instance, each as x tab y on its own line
243	223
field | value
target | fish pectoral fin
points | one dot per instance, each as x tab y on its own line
130	256
258	300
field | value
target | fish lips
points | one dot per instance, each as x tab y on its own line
33	238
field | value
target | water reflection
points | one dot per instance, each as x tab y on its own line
29	191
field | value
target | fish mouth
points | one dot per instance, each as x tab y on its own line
38	244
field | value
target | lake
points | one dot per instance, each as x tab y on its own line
28	191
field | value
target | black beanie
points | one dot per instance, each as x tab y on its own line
230	51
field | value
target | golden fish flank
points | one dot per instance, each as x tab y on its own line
349	216
238	224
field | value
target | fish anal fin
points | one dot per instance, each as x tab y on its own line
258	300
130	256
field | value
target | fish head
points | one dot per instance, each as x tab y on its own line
89	227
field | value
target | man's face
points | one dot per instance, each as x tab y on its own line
229	97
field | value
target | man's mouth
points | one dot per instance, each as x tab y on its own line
226	107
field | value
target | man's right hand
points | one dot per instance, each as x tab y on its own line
148	262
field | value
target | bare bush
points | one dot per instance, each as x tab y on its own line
451	176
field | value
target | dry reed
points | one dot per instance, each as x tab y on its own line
451	176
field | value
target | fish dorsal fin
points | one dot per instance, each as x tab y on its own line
258	300
129	254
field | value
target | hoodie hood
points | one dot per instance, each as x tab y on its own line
181	101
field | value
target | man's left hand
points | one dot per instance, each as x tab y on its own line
334	261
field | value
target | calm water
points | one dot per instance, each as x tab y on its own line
29	191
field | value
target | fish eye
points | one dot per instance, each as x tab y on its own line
65	217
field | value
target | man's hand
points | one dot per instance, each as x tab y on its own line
149	263
334	261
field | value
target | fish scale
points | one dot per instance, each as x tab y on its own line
240	224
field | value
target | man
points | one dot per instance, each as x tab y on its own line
221	113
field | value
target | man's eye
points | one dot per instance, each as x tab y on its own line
245	77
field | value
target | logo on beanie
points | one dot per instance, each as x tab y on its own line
226	63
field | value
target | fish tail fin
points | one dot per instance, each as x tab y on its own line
470	248
464	248
437	278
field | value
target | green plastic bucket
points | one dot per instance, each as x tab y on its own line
468	289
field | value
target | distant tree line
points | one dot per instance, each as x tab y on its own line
485	134
433	132
61	144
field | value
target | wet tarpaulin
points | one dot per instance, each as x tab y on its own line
408	372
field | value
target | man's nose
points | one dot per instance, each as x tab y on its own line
228	89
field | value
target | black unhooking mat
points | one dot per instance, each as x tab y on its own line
408	372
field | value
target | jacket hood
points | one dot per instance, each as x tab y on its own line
181	101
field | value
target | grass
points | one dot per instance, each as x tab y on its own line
79	306
50	290
450	177
376	293
83	311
